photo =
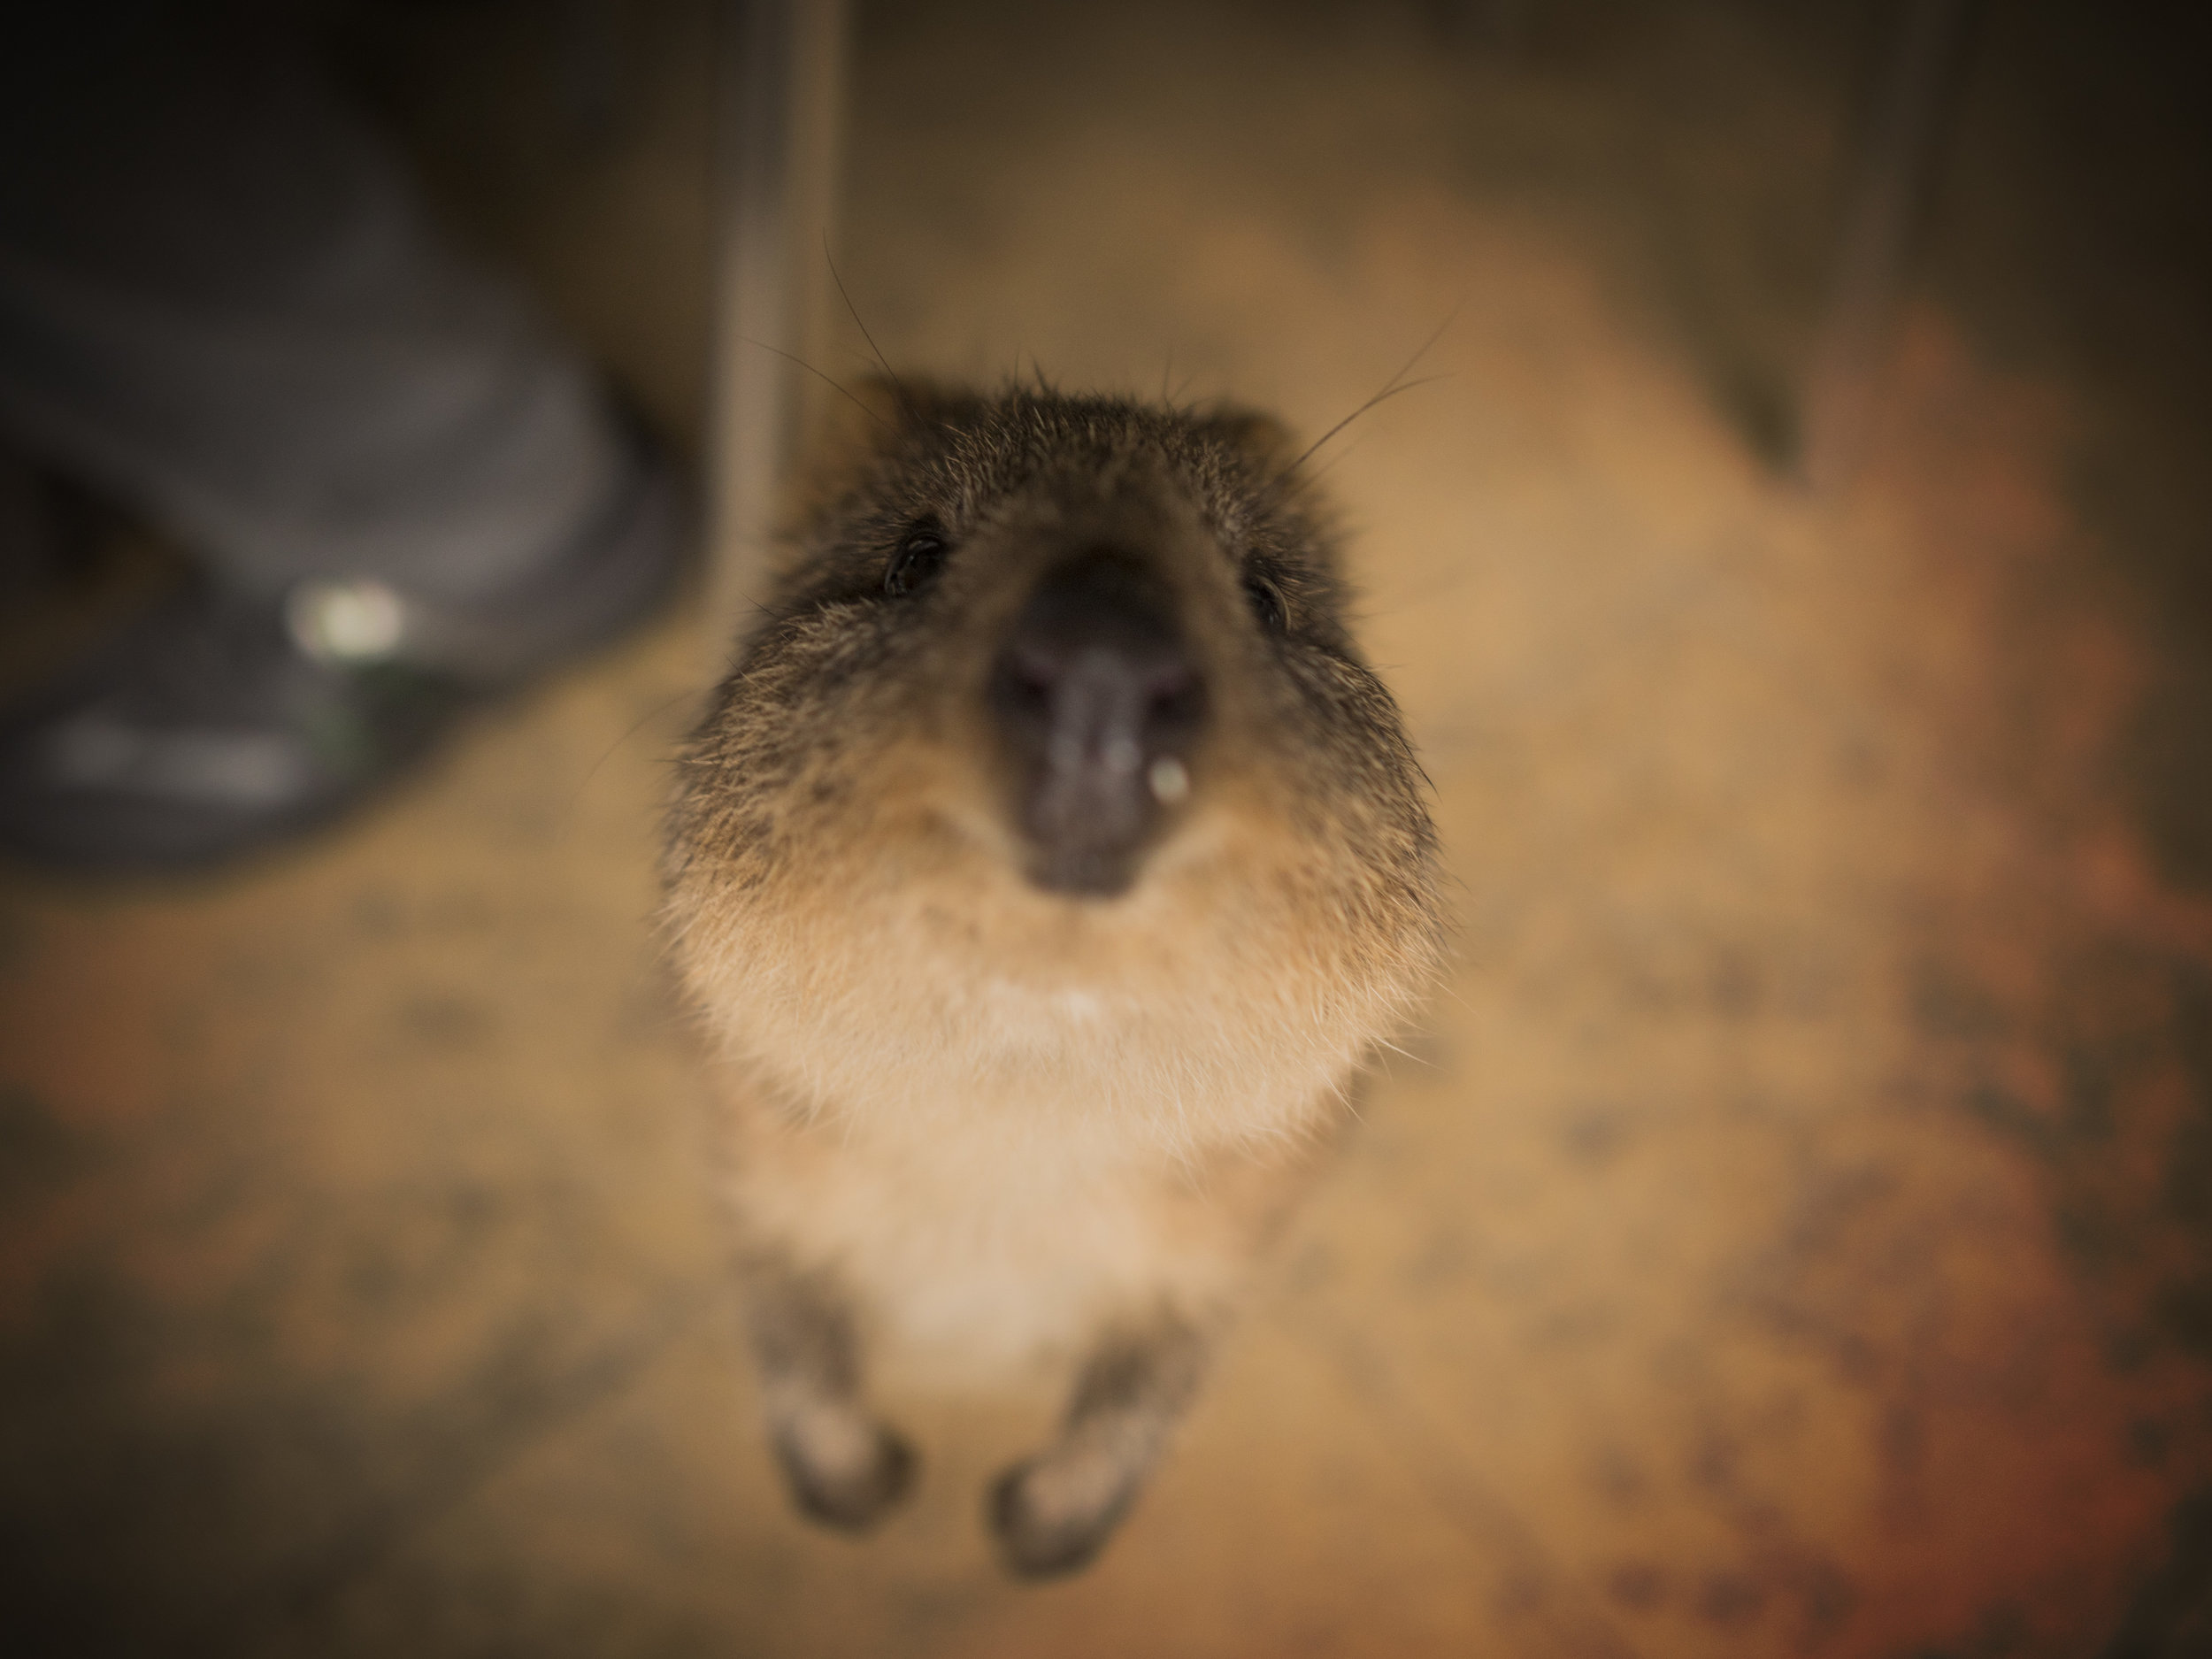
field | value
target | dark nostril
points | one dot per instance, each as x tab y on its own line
1173	696
1030	675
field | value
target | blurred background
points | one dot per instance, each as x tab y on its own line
1790	1230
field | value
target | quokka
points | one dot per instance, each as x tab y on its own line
1044	869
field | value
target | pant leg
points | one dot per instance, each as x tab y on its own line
220	301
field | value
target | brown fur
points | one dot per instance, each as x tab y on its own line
986	1114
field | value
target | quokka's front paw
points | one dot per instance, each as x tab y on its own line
1053	1513
845	1470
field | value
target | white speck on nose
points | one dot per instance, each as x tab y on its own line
356	621
1170	780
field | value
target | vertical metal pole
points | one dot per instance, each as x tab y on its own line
1918	76
776	181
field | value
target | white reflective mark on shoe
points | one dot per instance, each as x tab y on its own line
1170	780
246	769
345	622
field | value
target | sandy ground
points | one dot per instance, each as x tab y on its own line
1786	1233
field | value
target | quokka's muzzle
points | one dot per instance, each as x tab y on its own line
1098	700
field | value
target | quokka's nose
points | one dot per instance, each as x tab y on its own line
1098	700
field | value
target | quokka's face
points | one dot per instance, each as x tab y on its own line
1061	687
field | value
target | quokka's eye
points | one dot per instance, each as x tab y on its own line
1267	603
919	555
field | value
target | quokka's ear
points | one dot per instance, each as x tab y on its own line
1258	437
871	414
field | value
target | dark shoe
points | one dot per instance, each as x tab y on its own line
219	723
